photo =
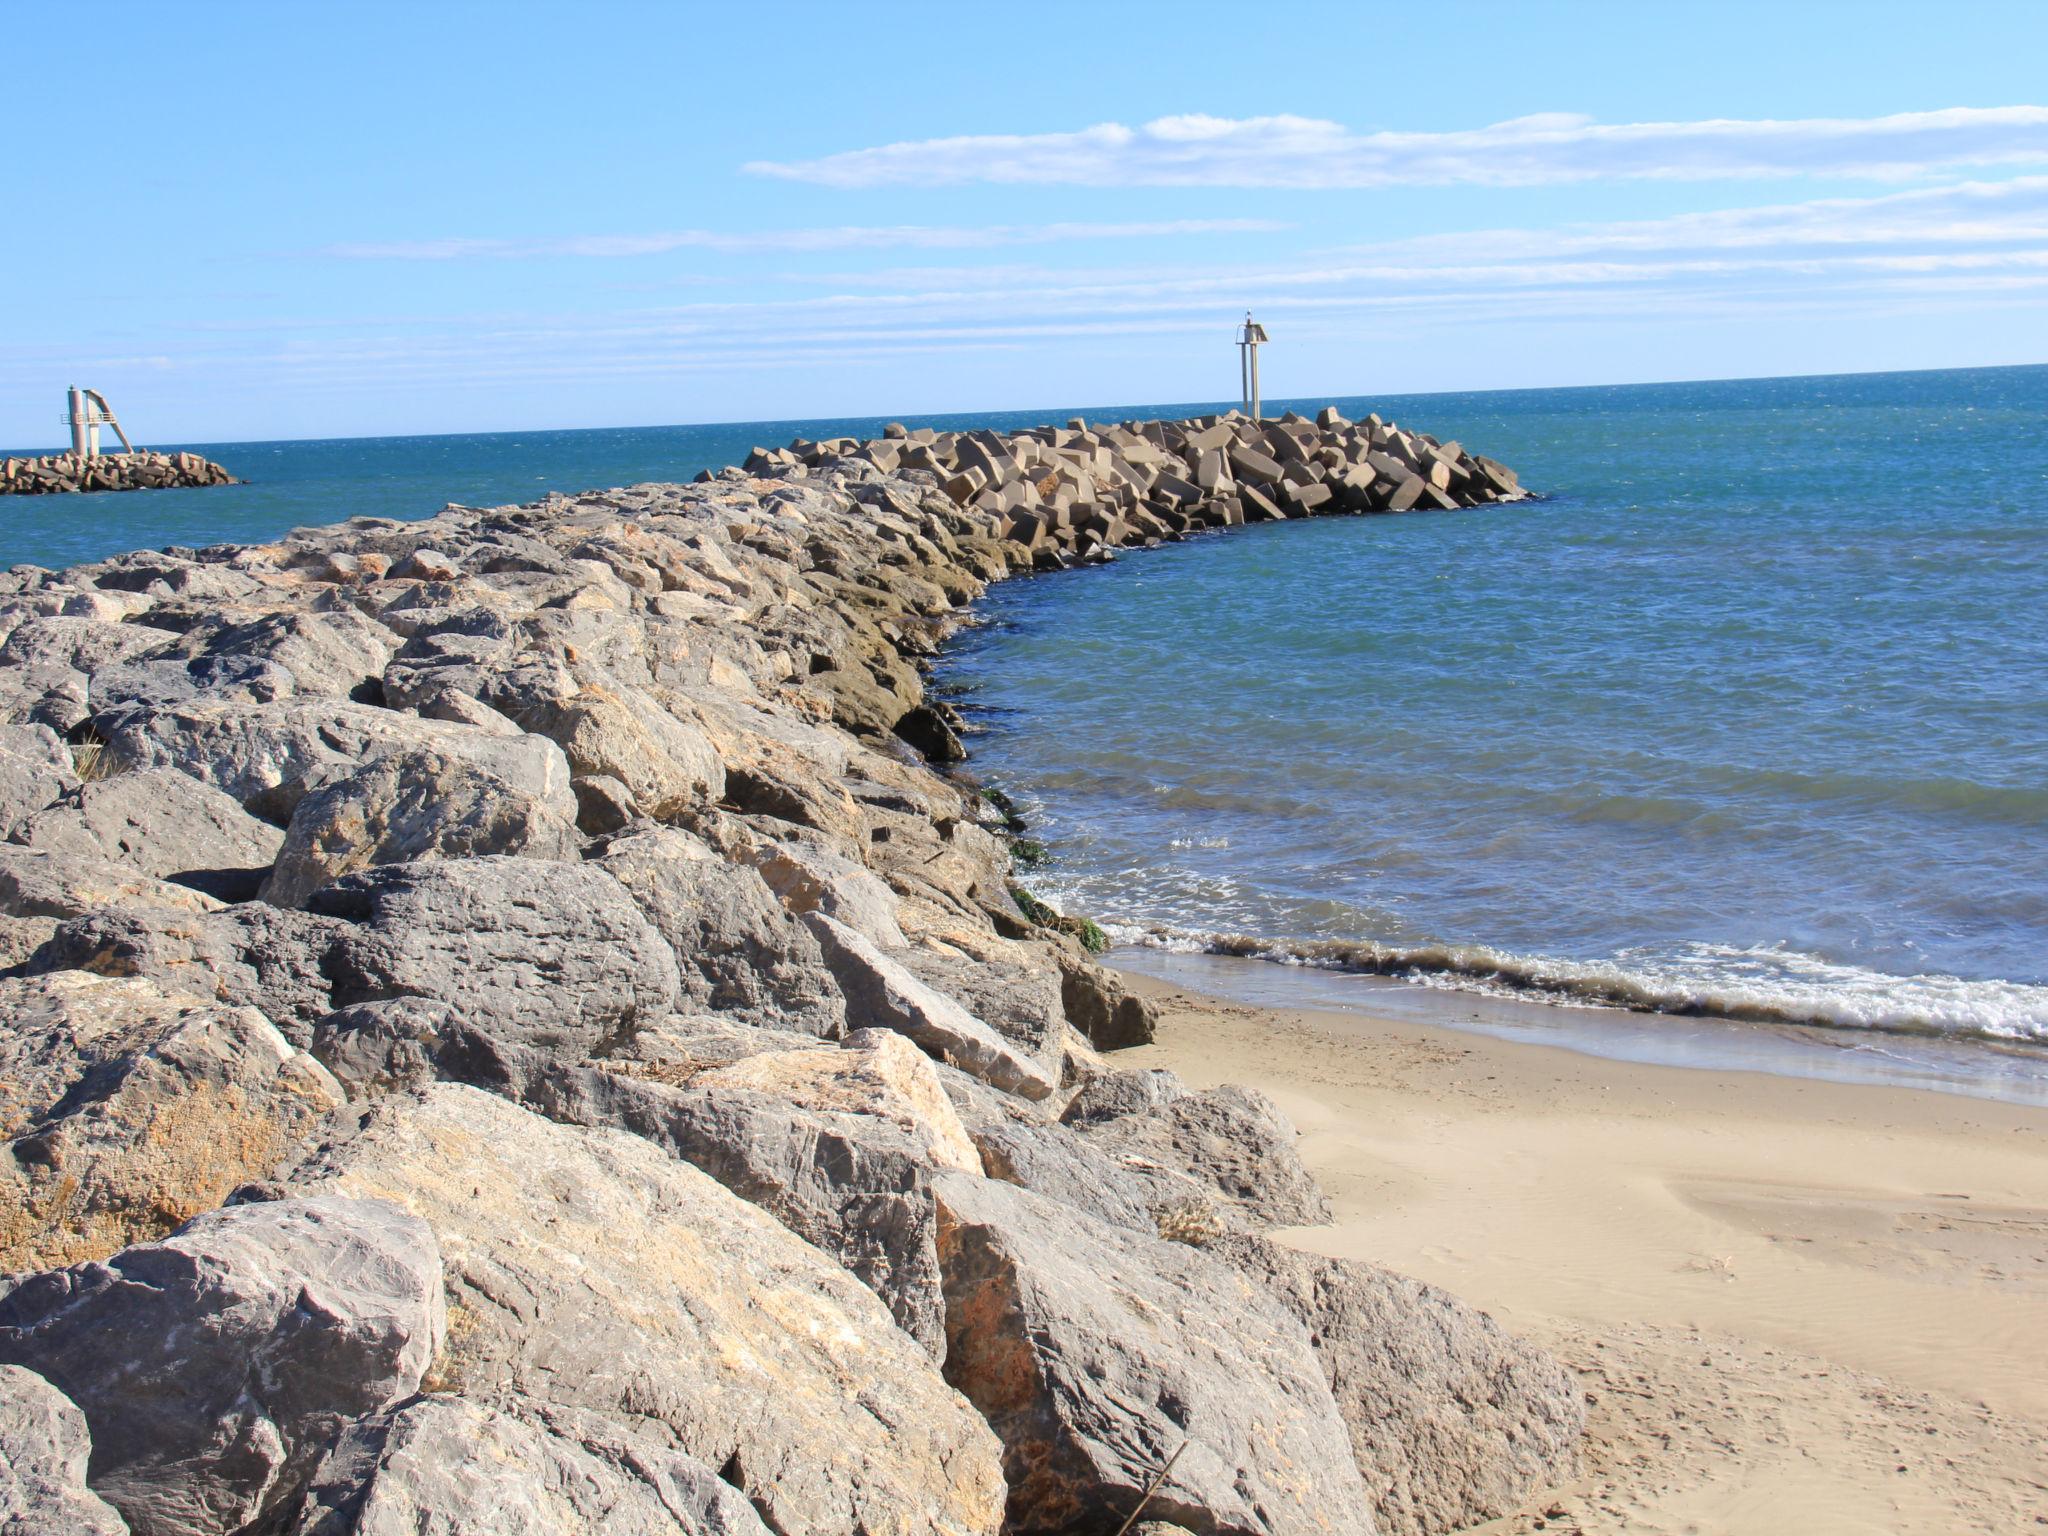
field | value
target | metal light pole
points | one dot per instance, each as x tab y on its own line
1248	341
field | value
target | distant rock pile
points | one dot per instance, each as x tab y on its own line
1066	493
504	1028
145	470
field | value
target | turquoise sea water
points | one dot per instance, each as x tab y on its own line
1750	716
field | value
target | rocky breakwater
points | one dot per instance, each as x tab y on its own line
61	473
507	1029
1071	493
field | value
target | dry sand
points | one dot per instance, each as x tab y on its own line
1797	1307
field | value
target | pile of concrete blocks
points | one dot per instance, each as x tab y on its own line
59	473
1070	493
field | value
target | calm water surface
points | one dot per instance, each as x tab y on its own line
1749	717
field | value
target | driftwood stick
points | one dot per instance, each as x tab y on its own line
1150	1489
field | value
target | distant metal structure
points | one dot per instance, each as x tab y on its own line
1248	341
89	412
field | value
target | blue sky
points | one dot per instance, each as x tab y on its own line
310	221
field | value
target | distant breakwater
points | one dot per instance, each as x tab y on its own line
1072	493
59	474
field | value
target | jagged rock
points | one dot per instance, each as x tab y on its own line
451	1467
216	1366
163	824
35	770
1454	1421
553	956
873	1073
808	877
268	755
603	804
1020	1001
1096	1353
415	804
1115	1095
44	1445
126	1111
589	1269
1232	1140
849	1172
667	766
1053	1161
150	682
327	654
1097	1003
36	882
882	994
736	949
251	954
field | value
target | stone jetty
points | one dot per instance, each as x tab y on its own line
145	470
1068	493
509	1023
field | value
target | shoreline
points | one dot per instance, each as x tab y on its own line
1971	1068
1796	1304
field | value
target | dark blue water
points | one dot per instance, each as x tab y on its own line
1749	716
296	484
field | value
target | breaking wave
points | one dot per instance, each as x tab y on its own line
1756	985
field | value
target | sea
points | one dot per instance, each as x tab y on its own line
1745	718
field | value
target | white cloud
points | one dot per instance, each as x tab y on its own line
842	238
1310	153
1972	212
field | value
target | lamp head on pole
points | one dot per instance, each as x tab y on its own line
1248	340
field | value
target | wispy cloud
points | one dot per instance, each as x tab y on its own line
840	238
1966	213
1311	153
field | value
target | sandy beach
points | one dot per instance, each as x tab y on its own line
1795	1305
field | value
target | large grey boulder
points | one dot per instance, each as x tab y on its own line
35	770
737	950
37	883
411	804
1454	1421
1097	1353
251	955
164	824
553	956
44	1445
452	1467
589	1269
1231	1141
881	993
125	1110
667	765
215	1367
331	653
1057	1162
267	756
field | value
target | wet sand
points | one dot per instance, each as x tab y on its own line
1796	1304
